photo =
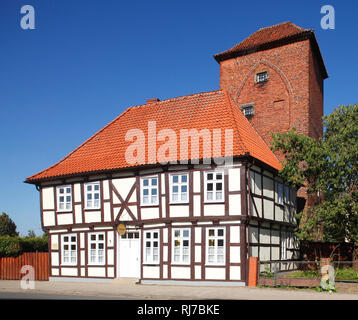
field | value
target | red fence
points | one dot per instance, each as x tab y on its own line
10	267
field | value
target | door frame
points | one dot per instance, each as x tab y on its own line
118	253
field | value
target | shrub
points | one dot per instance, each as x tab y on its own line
14	246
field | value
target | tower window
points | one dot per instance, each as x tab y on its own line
248	110
261	77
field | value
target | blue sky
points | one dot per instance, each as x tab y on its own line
89	60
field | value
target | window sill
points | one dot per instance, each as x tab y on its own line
64	211
178	203
150	264
214	265
210	202
150	205
93	264
92	209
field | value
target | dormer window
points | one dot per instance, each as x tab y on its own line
248	110
261	77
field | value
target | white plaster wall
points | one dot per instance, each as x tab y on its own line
96	271
235	273
268	187
279	213
275	253
214	210
258	204
234	234
49	218
110	272
77	192
196	206
107	211
48	201
164	207
234	179
268	209
65	218
105	190
149	213
265	253
180	272
254	235
82	240
55	272
196	182
264	236
165	271
197	233
165	235
110	256
78	213
165	253
235	254
123	186
110	238
69	272
151	272
83	257
214	273
179	211
55	259
54	242
197	272
92	216
197	253
234	204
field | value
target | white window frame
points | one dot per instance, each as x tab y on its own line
179	184
151	240
257	76
214	182
93	193
65	195
149	187
70	243
96	242
181	238
215	238
279	200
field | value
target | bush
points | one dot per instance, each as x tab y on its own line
14	246
10	246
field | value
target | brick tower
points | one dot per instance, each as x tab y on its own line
275	76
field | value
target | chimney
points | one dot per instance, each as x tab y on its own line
154	100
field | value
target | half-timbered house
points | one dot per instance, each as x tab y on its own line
129	202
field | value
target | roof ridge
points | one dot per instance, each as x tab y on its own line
278	24
177	98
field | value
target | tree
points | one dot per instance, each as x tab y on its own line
7	226
328	168
31	234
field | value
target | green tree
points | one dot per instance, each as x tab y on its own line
328	168
7	226
31	234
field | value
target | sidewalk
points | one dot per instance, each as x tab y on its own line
128	289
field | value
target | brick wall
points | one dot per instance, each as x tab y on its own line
292	97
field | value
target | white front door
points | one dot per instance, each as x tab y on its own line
129	255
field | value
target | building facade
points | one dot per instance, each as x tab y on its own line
188	219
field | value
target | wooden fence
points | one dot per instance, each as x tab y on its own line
10	267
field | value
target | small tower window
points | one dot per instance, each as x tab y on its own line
248	110
261	77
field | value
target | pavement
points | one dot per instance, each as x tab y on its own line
123	289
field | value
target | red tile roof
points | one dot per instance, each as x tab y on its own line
105	151
266	35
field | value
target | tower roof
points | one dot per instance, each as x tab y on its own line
271	37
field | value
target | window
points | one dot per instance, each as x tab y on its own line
279	192
214	182
215	246
151	240
248	110
69	249
261	77
96	248
181	246
64	198
287	194
283	245
150	191
92	195
179	188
